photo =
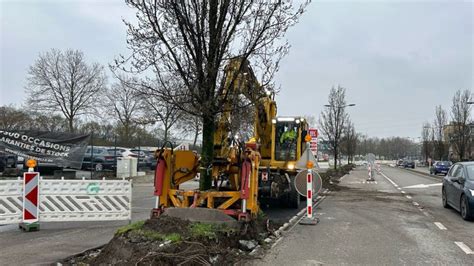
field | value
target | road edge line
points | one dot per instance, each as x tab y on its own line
464	248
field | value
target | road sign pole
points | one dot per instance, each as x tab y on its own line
309	219
30	201
309	194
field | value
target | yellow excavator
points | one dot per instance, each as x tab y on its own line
243	174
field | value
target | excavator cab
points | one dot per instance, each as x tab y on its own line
288	138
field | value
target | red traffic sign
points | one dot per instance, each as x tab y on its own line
313	132
30	197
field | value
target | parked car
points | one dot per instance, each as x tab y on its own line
440	167
458	189
7	160
400	162
146	158
409	164
101	159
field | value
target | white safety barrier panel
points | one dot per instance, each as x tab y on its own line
69	200
11	201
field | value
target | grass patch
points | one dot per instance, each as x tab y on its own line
152	235
174	237
131	227
203	230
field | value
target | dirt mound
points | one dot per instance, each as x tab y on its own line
166	225
173	241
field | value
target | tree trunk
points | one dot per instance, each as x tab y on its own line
207	152
71	124
127	134
335	158
196	133
166	134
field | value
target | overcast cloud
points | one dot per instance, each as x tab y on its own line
397	59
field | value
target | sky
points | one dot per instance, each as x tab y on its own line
397	59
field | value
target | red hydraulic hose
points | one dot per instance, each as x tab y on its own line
245	177
159	176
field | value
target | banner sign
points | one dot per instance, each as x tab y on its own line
47	148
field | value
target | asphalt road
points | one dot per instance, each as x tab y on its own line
387	222
56	241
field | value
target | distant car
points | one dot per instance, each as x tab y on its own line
458	189
151	160
7	160
400	162
123	152
440	167
99	159
409	164
145	159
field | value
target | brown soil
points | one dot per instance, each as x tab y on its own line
220	247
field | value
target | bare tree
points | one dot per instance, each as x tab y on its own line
427	139
63	82
333	120
13	118
349	141
311	120
191	41
125	103
460	115
190	125
51	123
440	121
163	112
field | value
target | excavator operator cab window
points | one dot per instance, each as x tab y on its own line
286	141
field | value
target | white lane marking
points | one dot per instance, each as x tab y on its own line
399	188
416	203
440	226
391	181
408	197
464	248
425	186
403	192
396	185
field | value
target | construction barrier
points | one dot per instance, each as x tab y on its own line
64	200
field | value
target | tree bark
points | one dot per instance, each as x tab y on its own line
71	124
207	152
196	133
